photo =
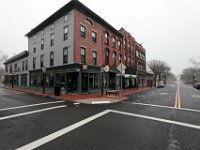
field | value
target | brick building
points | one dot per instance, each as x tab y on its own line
74	44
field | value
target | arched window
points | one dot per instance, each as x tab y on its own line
114	58
120	58
107	52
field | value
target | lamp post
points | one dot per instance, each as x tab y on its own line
44	71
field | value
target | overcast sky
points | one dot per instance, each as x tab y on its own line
168	29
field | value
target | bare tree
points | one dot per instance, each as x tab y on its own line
159	68
189	75
3	58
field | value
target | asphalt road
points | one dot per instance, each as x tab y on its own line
158	119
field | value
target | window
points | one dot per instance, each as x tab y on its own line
129	47
125	60
120	58
94	37
6	68
52	26
82	31
15	68
42	44
83	55
42	61
51	59
107	51
52	39
10	68
119	45
106	38
65	55
42	32
66	18
22	65
34	61
26	64
114	42
129	61
124	44
34	37
65	36
94	58
34	47
114	58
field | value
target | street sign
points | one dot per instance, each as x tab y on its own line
106	68
121	67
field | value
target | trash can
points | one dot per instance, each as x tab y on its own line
57	90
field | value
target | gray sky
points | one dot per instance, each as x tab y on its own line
168	29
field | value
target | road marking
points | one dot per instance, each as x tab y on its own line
61	132
157	119
160	106
163	94
100	102
25	106
177	103
195	96
31	112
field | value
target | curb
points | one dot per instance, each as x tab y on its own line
124	98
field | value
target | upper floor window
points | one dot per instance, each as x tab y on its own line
94	58
107	52
114	42
82	32
114	58
83	55
52	39
65	36
42	32
6	68
42	44
94	37
26	65
42	61
34	47
51	58
15	68
52	26
34	61
125	60
124	44
120	58
65	55
129	61
119	45
34	37
22	65
66	18
10	68
129	47
106	37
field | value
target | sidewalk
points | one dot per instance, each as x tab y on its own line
86	98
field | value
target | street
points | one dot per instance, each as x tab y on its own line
158	119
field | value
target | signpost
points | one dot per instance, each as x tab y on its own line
102	70
44	71
121	67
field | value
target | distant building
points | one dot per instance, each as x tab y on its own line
74	44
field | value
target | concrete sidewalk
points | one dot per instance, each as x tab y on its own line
86	98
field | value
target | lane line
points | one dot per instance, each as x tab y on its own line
158	119
31	112
176	100
179	98
160	106
25	106
57	134
61	132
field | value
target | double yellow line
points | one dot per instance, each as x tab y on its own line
177	103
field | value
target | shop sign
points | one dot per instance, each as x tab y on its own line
85	67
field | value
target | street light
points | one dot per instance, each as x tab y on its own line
44	71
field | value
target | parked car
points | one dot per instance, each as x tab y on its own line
197	85
161	84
